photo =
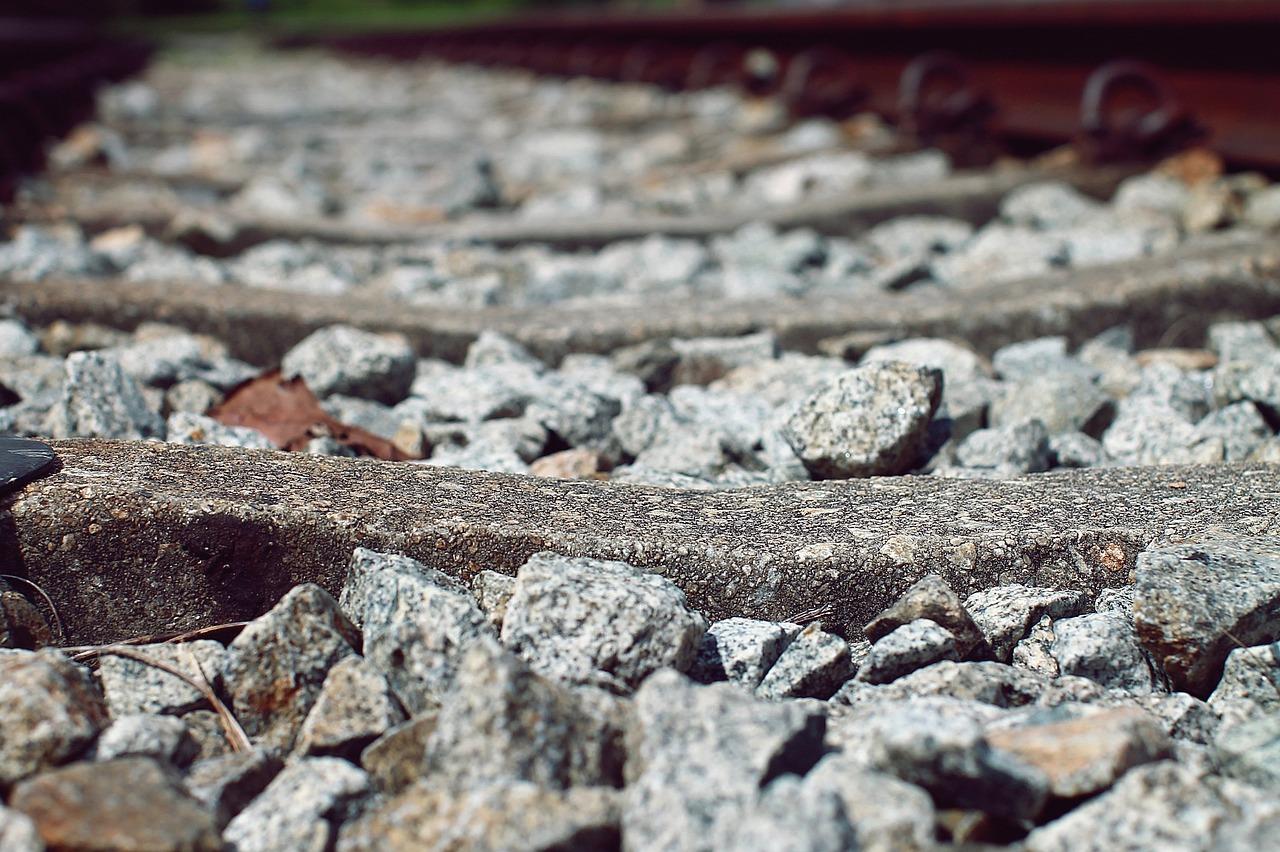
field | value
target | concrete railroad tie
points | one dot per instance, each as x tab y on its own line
134	538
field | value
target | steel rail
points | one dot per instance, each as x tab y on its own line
1015	70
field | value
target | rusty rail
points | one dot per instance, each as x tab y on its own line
49	73
1130	80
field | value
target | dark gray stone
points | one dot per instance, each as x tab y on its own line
227	783
1194	603
355	707
299	807
813	665
930	598
699	752
275	669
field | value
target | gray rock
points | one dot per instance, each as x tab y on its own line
597	374
1085	755
229	782
164	361
1143	435
18	833
1255	381
206	728
888	815
702	360
504	722
931	598
790	816
1117	602
299	808
1262	210
1240	427
50	711
1005	614
493	592
1047	205
1241	341
1021	447
1031	359
1076	449
814	665
342	359
697	752
133	803
1194	603
1105	649
1165	806
594	621
163	738
275	669
445	393
1164	385
578	415
381	420
183	428
504	815
100	400
398	758
1250	752
946	754
1000	252
988	683
740	650
869	421
1250	684
1184	717
193	396
912	646
1035	651
917	237
479	457
132	687
490	348
417	622
1064	402
355	707
16	339
1152	192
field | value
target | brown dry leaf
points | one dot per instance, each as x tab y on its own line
1193	166
288	413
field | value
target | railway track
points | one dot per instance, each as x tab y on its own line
928	443
1130	80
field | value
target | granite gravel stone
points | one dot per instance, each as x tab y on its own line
342	359
1006	614
912	646
299	808
888	815
1194	603
1250	684
790	816
931	598
50	710
740	650
226	784
866	422
1104	649
100	400
814	665
355	707
697	753
275	669
417	623
162	738
132	687
595	621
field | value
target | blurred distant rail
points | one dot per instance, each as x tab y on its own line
49	74
1129	80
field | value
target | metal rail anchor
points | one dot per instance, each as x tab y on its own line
21	623
940	106
1162	129
823	81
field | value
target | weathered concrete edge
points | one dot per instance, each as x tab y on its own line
1228	277
136	538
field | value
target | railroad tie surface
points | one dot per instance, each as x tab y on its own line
135	538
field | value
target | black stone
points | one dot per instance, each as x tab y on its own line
21	460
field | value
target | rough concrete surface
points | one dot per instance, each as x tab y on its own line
134	538
1230	277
